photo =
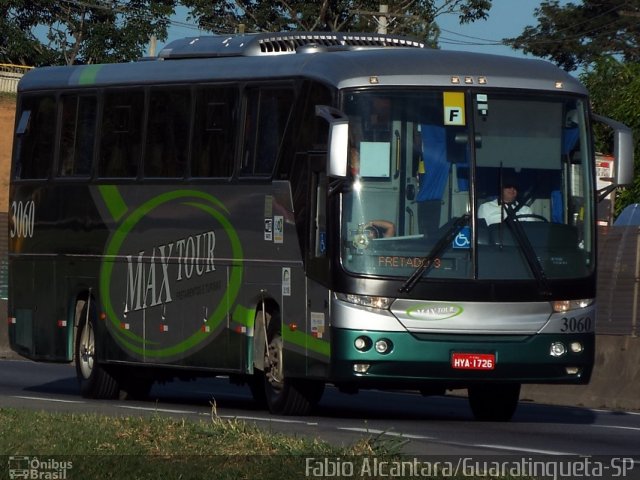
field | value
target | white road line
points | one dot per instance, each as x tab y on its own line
521	449
619	427
44	399
155	409
614	412
420	437
263	419
385	432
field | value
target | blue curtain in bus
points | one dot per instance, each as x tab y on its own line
463	175
436	166
569	139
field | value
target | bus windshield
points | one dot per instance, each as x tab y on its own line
479	185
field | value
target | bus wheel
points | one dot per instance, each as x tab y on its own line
285	395
94	381
494	403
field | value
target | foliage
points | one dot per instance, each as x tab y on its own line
96	31
601	38
409	17
615	92
574	35
77	31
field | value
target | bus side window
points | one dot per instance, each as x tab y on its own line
77	135
35	146
121	133
167	141
268	111
213	135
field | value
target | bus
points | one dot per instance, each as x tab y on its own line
295	210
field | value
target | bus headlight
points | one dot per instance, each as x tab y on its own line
382	303
561	306
362	343
557	349
383	346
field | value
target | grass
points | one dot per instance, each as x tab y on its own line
102	447
8	97
70	446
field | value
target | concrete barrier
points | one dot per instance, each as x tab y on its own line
615	383
10	75
5	351
9	81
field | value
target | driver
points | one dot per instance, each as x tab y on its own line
492	211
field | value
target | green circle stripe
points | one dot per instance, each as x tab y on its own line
125	337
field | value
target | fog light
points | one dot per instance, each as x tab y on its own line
362	343
576	347
383	346
557	349
572	370
361	367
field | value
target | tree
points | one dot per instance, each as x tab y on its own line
600	37
615	92
47	32
78	31
412	17
576	35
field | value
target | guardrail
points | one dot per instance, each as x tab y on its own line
10	75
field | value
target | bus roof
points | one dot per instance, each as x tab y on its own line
386	62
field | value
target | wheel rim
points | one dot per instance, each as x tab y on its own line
86	351
273	371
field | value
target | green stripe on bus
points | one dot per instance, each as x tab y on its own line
243	315
113	200
304	340
211	206
88	74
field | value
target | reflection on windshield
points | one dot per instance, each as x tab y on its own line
414	172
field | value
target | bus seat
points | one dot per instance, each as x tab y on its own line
482	232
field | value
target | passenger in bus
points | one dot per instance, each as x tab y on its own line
380	229
492	211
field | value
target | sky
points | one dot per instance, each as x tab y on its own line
507	18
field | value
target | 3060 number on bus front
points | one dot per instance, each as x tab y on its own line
573	325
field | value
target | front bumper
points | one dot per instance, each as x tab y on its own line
419	359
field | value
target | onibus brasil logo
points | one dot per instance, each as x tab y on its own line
161	285
38	468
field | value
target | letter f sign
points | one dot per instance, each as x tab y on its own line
454	116
453	103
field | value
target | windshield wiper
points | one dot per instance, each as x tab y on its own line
529	252
437	249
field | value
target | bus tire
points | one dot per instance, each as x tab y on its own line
287	396
93	379
494	402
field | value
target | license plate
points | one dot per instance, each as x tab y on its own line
473	361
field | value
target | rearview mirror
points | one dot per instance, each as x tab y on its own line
338	144
622	150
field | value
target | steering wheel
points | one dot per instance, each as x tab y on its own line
531	215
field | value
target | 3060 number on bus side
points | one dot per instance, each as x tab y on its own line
22	219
